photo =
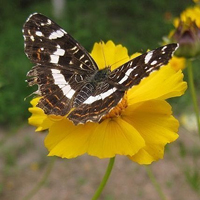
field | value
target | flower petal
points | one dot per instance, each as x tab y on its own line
162	84
39	118
148	154
109	54
192	12
178	63
115	136
153	120
103	140
67	140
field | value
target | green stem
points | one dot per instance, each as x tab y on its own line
105	179
42	181
155	183
193	92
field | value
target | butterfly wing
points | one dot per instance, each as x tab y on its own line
132	72
99	103
47	43
62	64
57	87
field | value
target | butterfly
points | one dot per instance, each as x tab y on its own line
69	81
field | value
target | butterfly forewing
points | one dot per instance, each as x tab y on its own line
132	72
47	43
69	80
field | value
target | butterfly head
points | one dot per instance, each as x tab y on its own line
101	75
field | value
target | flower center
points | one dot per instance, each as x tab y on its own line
118	109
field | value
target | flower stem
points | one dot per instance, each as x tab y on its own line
105	179
193	92
155	183
42	181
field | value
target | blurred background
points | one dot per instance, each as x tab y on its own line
137	25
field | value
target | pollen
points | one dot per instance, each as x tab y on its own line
118	109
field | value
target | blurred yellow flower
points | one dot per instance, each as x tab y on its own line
142	128
187	33
192	12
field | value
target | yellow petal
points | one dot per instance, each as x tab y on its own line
162	84
39	118
115	136
103	140
34	101
135	55
67	140
153	120
148	154
178	63
192	12
109	54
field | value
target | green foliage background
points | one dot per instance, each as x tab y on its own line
138	25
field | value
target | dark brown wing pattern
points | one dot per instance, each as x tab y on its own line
68	77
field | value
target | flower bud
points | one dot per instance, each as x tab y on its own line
187	34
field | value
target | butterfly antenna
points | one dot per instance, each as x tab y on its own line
120	61
102	49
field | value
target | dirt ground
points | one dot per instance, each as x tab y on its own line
23	163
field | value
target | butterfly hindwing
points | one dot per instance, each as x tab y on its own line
57	87
132	72
97	105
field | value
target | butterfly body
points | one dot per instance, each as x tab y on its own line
70	81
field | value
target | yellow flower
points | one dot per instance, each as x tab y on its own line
192	12
141	128
187	33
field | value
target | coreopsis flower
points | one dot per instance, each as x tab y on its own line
139	127
192	12
187	33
